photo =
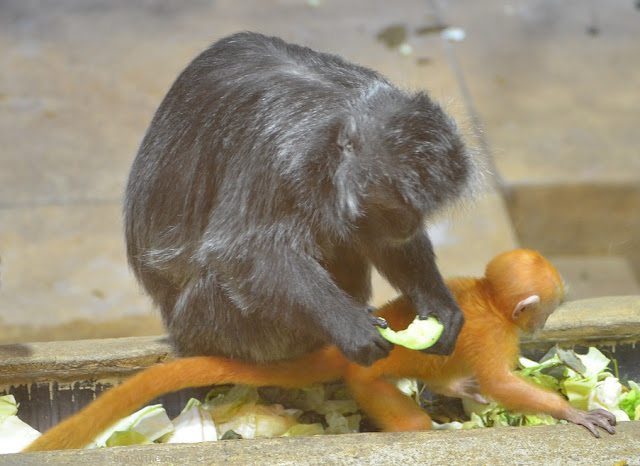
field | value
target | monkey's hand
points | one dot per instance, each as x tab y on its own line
362	343
465	387
592	419
452	319
411	268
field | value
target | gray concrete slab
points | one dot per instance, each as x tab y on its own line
579	219
82	80
555	84
68	253
596	276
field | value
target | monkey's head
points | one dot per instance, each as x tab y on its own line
426	154
407	158
526	287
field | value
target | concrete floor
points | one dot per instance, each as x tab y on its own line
548	86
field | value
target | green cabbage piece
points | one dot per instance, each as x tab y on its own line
224	406
420	334
241	410
151	422
607	394
254	420
453	425
575	375
305	429
14	433
630	402
475	421
8	406
410	387
577	390
338	406
495	415
538	420
339	424
594	361
193	425
126	438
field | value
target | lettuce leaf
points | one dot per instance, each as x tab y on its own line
453	425
151	422
630	402
14	433
224	406
254	420
577	389
8	406
305	429
608	395
340	424
126	438
475	421
595	362
193	425
338	406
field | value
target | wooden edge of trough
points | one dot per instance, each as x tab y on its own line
549	445
614	319
69	361
605	319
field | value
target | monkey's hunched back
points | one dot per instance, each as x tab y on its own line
253	189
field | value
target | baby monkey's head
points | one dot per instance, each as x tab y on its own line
526	287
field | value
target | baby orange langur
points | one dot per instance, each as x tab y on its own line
519	292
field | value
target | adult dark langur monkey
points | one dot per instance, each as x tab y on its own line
270	181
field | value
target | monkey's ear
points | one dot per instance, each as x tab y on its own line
347	133
532	300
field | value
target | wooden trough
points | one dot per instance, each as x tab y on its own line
55	379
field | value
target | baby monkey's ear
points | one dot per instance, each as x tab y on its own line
347	135
521	307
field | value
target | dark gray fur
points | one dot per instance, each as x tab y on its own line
270	180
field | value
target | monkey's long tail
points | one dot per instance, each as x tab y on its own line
80	429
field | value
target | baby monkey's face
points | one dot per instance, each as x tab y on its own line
535	319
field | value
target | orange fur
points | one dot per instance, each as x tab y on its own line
487	349
80	429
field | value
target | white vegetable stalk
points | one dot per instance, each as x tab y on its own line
14	434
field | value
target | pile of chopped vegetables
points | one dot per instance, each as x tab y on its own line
241	411
232	412
583	379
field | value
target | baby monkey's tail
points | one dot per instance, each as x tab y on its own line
80	429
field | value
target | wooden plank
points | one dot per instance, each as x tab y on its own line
67	361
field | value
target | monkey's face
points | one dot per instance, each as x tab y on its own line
534	318
389	218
